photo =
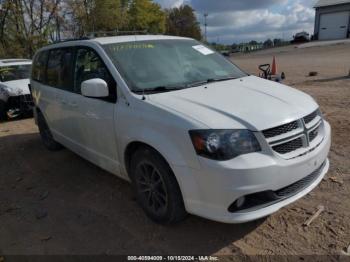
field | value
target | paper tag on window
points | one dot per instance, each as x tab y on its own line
203	50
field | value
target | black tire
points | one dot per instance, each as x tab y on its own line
3	115
46	135
157	192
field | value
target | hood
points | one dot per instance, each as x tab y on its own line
16	87
249	102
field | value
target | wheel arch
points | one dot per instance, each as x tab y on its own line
134	146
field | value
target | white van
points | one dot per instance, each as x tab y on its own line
191	131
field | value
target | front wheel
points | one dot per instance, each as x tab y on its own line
156	188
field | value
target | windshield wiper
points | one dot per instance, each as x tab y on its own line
162	89
210	80
159	89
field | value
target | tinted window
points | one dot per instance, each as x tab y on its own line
88	66
39	67
59	68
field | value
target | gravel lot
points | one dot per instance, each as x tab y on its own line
58	203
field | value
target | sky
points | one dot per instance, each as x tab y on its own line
236	21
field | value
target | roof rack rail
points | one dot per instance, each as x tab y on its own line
70	40
114	33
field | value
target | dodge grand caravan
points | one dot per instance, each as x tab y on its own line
191	131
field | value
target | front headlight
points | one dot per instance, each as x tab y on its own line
224	144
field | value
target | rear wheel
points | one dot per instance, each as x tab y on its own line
46	135
3	115
157	190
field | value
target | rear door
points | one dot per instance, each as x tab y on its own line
59	77
44	95
334	25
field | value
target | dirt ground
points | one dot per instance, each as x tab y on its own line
58	203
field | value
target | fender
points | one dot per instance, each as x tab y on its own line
164	146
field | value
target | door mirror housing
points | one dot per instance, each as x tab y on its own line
95	87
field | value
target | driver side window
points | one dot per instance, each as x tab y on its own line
89	65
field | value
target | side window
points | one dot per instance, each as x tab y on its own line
89	65
59	69
39	67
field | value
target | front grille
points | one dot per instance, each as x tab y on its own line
289	146
308	119
276	131
299	185
313	134
303	135
27	99
22	102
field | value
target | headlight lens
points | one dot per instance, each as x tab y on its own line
224	144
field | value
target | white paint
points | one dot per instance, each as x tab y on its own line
94	88
15	87
203	50
334	25
101	131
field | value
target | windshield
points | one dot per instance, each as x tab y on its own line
175	64
15	72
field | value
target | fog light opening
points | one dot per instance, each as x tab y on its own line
240	202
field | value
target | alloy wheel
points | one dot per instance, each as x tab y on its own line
151	188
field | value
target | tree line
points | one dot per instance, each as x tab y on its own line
26	25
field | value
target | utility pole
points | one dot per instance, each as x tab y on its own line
205	26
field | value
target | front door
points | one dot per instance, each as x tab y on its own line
93	118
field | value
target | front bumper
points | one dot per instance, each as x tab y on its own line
20	104
209	191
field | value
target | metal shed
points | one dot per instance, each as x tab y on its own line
332	19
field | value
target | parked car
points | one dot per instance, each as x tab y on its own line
191	131
225	53
301	37
15	98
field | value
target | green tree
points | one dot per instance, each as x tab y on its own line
277	42
26	25
182	21
109	15
268	43
96	15
146	15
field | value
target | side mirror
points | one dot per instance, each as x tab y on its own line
95	87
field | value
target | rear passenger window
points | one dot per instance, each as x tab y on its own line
88	66
59	69
39	67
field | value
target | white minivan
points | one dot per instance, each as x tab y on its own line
191	131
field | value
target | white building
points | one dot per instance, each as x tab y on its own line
332	19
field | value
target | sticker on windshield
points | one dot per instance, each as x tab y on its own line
203	50
125	47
